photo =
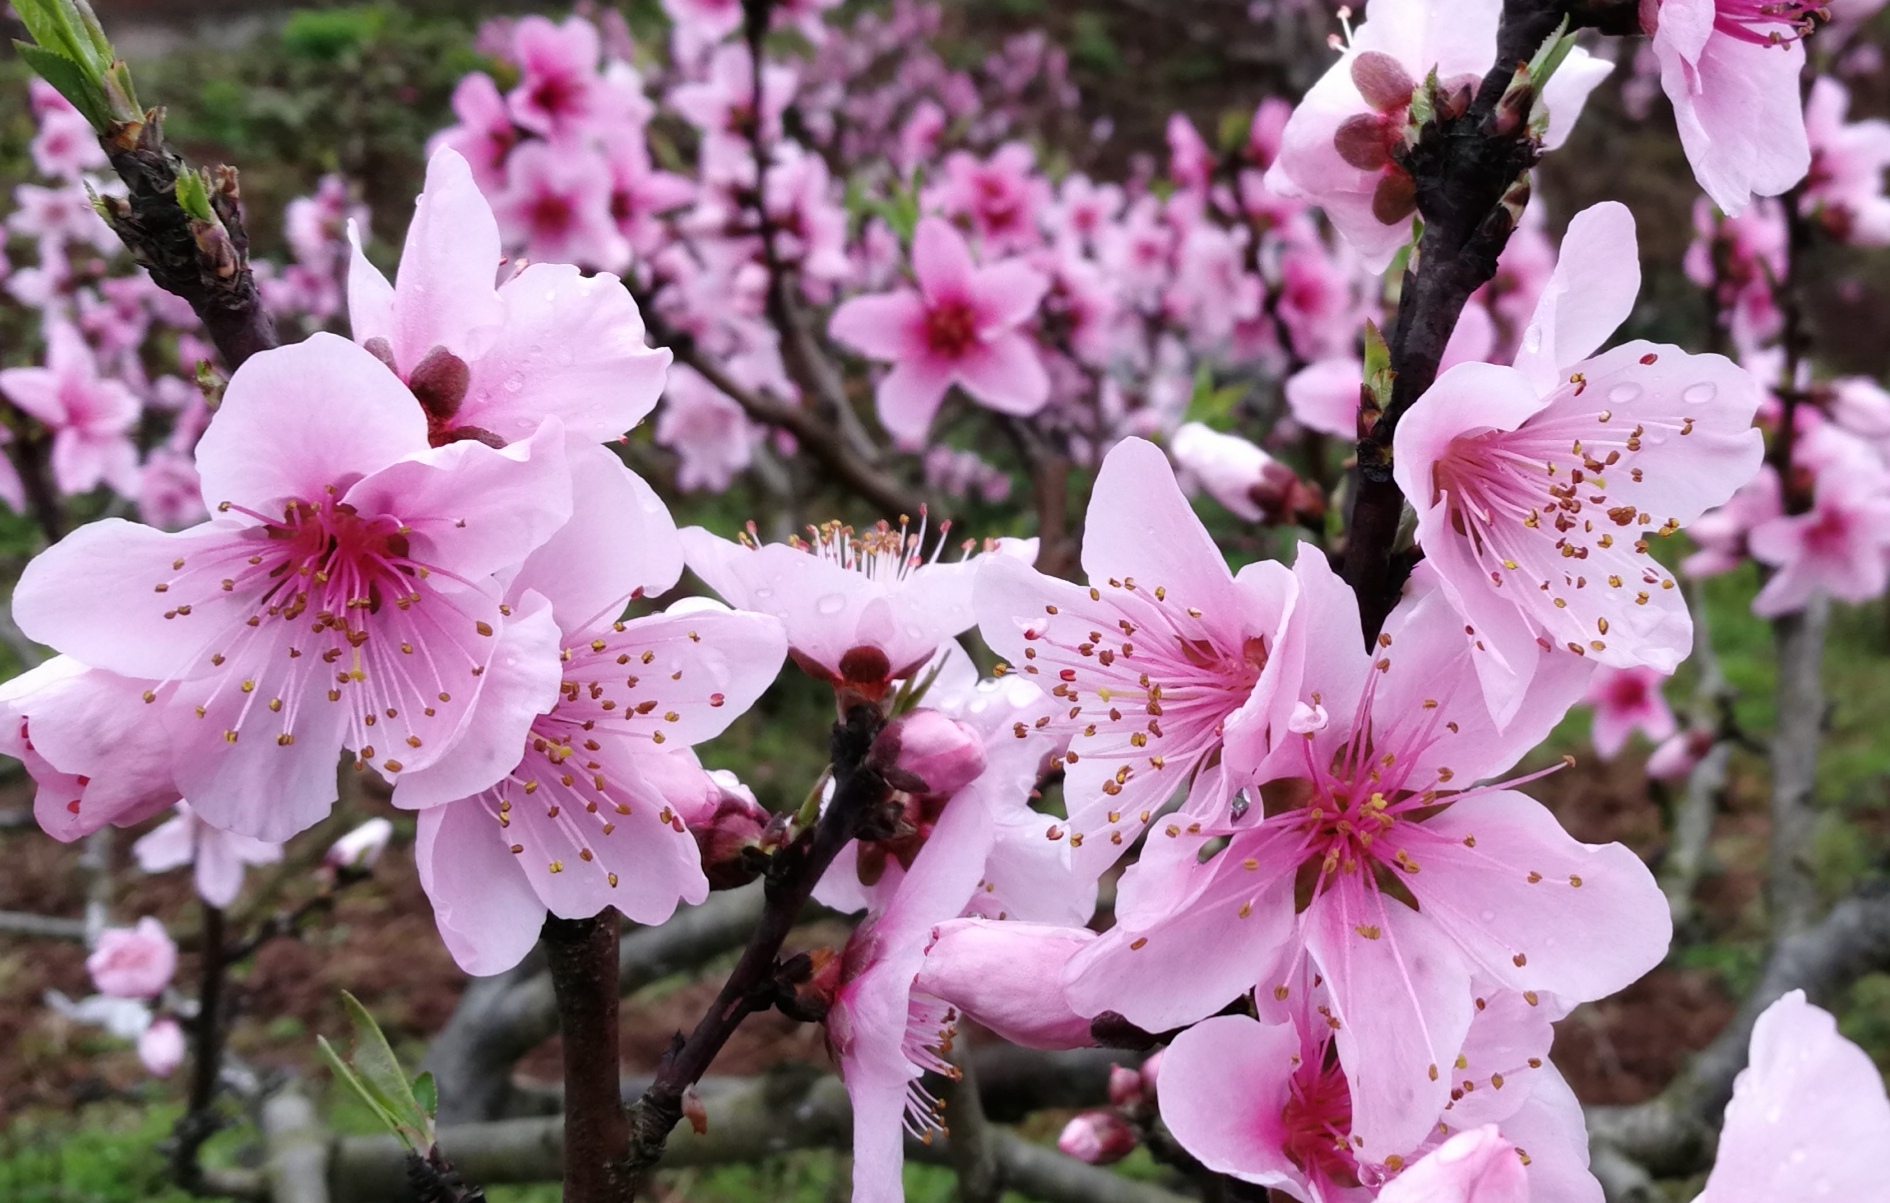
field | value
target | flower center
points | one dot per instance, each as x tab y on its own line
1770	22
1318	1120
951	329
551	213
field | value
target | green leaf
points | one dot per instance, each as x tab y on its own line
71	52
70	79
427	1092
374	1073
193	196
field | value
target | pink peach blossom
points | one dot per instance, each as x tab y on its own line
133	962
1845	187
217	858
1000	198
484	135
1164	659
961	326
557	75
860	608
1535	484
1336	148
1267	1103
161	1047
583	813
91	417
1731	69
1839	548
556	206
492	362
1500	891
1627	700
331	509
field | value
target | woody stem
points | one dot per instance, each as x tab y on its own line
751	987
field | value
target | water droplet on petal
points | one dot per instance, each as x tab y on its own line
1699	394
832	603
514	382
1621	394
1532	339
1489	916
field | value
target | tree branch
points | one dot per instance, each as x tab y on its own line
749	1120
582	955
792	873
1792	886
973	1144
200	1121
204	262
1672	1135
500	1019
1466	172
1691	825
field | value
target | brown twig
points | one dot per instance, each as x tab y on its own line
204	262
1471	182
200	1121
582	956
859	791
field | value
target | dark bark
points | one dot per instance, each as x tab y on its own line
205	263
200	1121
1470	174
752	986
582	955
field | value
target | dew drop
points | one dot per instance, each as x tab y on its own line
1699	394
832	603
1532	339
764	593
514	382
1623	393
1489	916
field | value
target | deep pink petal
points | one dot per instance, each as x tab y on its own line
1007	294
909	397
885	326
1006	374
941	260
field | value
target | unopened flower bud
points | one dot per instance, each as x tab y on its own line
1098	1138
925	752
360	849
1125	1085
731	837
1151	1070
161	1047
1679	755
